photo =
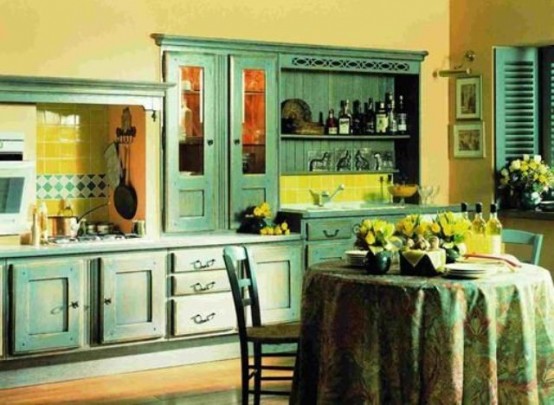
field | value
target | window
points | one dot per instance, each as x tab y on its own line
524	103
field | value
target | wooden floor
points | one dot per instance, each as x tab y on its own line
206	384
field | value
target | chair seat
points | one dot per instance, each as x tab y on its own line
275	333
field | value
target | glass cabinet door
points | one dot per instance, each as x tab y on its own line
191	197
253	133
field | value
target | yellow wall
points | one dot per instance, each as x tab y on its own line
479	25
111	40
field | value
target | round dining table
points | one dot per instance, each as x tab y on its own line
396	339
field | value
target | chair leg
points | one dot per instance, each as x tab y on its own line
244	372
258	372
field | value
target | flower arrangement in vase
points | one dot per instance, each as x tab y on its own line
524	180
257	219
452	231
378	238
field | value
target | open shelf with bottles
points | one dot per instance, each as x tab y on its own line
344	137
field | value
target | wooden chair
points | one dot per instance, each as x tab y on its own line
518	237
240	267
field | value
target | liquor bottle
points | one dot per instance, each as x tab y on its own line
345	119
331	125
478	228
381	119
401	116
494	232
464	212
369	118
356	118
392	127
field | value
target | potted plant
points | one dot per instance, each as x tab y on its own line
378	238
523	181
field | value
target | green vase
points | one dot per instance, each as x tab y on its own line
378	263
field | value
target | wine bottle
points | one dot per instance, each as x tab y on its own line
331	124
401	116
494	232
370	118
356	118
392	125
381	119
464	212
478	228
345	119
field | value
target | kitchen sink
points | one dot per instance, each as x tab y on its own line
344	206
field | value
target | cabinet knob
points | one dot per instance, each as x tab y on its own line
210	142
107	301
75	304
236	141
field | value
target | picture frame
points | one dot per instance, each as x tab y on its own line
468	98
469	140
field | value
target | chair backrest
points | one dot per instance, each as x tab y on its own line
241	271
519	237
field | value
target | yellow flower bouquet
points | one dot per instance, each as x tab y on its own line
257	219
378	238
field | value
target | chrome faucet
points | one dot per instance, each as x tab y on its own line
323	197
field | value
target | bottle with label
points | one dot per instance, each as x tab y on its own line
357	118
345	119
478	229
381	119
331	124
401	116
494	232
392	124
369	118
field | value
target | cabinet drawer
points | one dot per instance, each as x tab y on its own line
203	313
200	282
326	251
198	259
326	230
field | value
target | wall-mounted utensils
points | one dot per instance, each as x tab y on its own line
125	196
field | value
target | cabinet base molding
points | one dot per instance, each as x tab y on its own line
23	372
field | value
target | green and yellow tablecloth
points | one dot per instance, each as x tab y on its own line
395	339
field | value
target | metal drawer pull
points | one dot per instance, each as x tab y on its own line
198	264
199	287
199	320
329	235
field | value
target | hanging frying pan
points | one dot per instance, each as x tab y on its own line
125	196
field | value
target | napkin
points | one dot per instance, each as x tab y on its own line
507	260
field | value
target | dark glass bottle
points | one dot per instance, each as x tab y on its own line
356	118
331	124
464	212
381	119
369	118
392	127
345	119
401	116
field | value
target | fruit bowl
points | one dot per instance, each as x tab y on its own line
402	190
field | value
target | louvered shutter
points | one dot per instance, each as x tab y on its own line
516	103
547	104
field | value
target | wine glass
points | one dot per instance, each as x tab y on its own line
424	192
433	194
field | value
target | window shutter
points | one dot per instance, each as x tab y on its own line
547	103
516	103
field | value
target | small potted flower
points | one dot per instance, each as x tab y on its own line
378	238
255	218
452	231
524	180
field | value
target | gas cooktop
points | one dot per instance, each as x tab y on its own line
63	240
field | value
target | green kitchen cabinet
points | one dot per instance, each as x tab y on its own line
47	304
132	297
2	315
220	136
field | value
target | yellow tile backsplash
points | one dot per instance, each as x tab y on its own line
71	140
358	187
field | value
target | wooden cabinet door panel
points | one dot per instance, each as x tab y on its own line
132	297
47	305
318	252
203	314
279	276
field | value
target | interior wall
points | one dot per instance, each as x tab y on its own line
479	25
111	40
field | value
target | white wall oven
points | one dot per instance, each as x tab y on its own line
17	180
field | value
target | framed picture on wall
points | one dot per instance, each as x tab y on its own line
469	140
468	98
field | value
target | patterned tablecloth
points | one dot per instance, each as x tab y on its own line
397	339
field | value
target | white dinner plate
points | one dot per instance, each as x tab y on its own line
356	253
470	270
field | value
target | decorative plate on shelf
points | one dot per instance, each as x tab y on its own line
295	114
